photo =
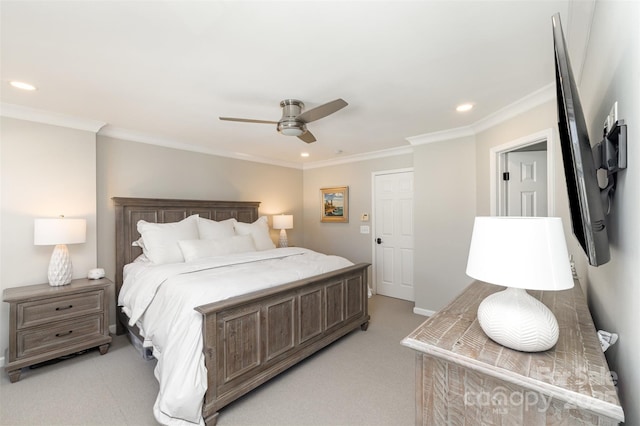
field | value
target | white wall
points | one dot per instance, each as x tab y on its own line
612	73
45	171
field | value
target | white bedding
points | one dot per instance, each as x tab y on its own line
160	300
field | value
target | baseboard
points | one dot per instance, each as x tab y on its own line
423	312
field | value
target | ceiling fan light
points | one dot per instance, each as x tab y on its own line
291	128
292	131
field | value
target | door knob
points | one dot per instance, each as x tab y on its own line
379	240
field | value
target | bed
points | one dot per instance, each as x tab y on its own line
249	338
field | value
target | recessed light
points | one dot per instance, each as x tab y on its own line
304	154
22	85
464	107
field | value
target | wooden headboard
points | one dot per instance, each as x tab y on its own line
130	210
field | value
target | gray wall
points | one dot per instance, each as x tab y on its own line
531	122
612	73
131	169
45	171
88	175
344	239
445	206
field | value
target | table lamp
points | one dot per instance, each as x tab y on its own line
283	222
520	253
59	232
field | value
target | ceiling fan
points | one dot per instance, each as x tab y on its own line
294	121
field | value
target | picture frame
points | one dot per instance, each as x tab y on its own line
334	204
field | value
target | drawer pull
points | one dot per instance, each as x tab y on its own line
64	334
63	308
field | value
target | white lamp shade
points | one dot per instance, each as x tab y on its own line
59	231
520	252
283	221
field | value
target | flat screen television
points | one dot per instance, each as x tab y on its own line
585	202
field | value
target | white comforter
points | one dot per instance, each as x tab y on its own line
160	300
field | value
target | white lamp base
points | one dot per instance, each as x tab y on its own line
60	268
283	239
515	319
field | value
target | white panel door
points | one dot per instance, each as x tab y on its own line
527	184
393	225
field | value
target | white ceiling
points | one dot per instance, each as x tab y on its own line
163	71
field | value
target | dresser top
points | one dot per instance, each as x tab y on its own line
574	370
42	291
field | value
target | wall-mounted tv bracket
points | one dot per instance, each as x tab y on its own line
610	154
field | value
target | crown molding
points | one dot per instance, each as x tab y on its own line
47	117
539	97
133	136
443	135
360	157
532	100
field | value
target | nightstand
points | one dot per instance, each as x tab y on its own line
48	322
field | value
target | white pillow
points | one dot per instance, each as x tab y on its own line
138	243
161	239
141	259
199	249
259	230
212	230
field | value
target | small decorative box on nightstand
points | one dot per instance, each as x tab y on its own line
48	322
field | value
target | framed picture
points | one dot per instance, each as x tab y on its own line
334	204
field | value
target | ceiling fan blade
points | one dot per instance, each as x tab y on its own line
248	120
307	137
322	111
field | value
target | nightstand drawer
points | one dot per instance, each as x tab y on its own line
58	336
58	308
48	322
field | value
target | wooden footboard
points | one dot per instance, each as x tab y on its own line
251	338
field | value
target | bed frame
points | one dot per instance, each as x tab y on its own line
251	338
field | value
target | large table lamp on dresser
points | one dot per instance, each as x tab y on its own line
520	253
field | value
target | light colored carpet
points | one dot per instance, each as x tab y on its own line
365	378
